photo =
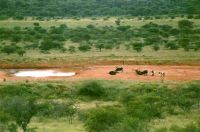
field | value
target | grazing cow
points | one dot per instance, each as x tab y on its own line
145	72
112	72
119	69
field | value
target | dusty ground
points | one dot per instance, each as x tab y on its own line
173	73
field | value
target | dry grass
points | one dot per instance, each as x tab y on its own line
115	56
179	120
86	21
56	125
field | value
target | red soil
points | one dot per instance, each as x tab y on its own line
173	73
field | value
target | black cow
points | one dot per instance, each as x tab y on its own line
119	69
145	72
112	72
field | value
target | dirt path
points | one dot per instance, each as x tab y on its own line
173	73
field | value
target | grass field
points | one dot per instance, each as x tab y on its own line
33	58
87	21
115	56
179	117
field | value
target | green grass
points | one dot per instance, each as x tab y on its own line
120	96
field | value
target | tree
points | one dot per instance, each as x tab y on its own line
21	110
49	44
72	49
99	46
185	25
9	49
172	45
21	51
137	46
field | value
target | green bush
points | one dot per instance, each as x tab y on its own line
92	89
101	119
137	46
84	48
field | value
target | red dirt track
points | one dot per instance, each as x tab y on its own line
173	73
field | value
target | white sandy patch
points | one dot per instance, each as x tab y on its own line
43	73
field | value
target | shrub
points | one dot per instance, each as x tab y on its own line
156	47
118	22
143	111
92	89
57	110
84	47
171	46
49	44
36	24
9	49
21	51
190	16
100	120
137	46
72	49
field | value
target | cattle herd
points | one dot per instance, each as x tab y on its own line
138	72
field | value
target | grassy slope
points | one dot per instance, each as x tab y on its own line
116	56
35	59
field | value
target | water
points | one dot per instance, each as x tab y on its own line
43	73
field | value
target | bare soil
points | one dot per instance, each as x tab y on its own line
173	73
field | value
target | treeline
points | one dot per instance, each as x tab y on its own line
137	105
19	40
51	8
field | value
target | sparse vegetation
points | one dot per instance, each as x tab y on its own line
138	104
80	35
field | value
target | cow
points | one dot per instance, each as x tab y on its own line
112	72
119	69
138	72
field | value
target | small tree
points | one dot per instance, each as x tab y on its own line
99	46
72	49
137	46
118	22
21	110
21	51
